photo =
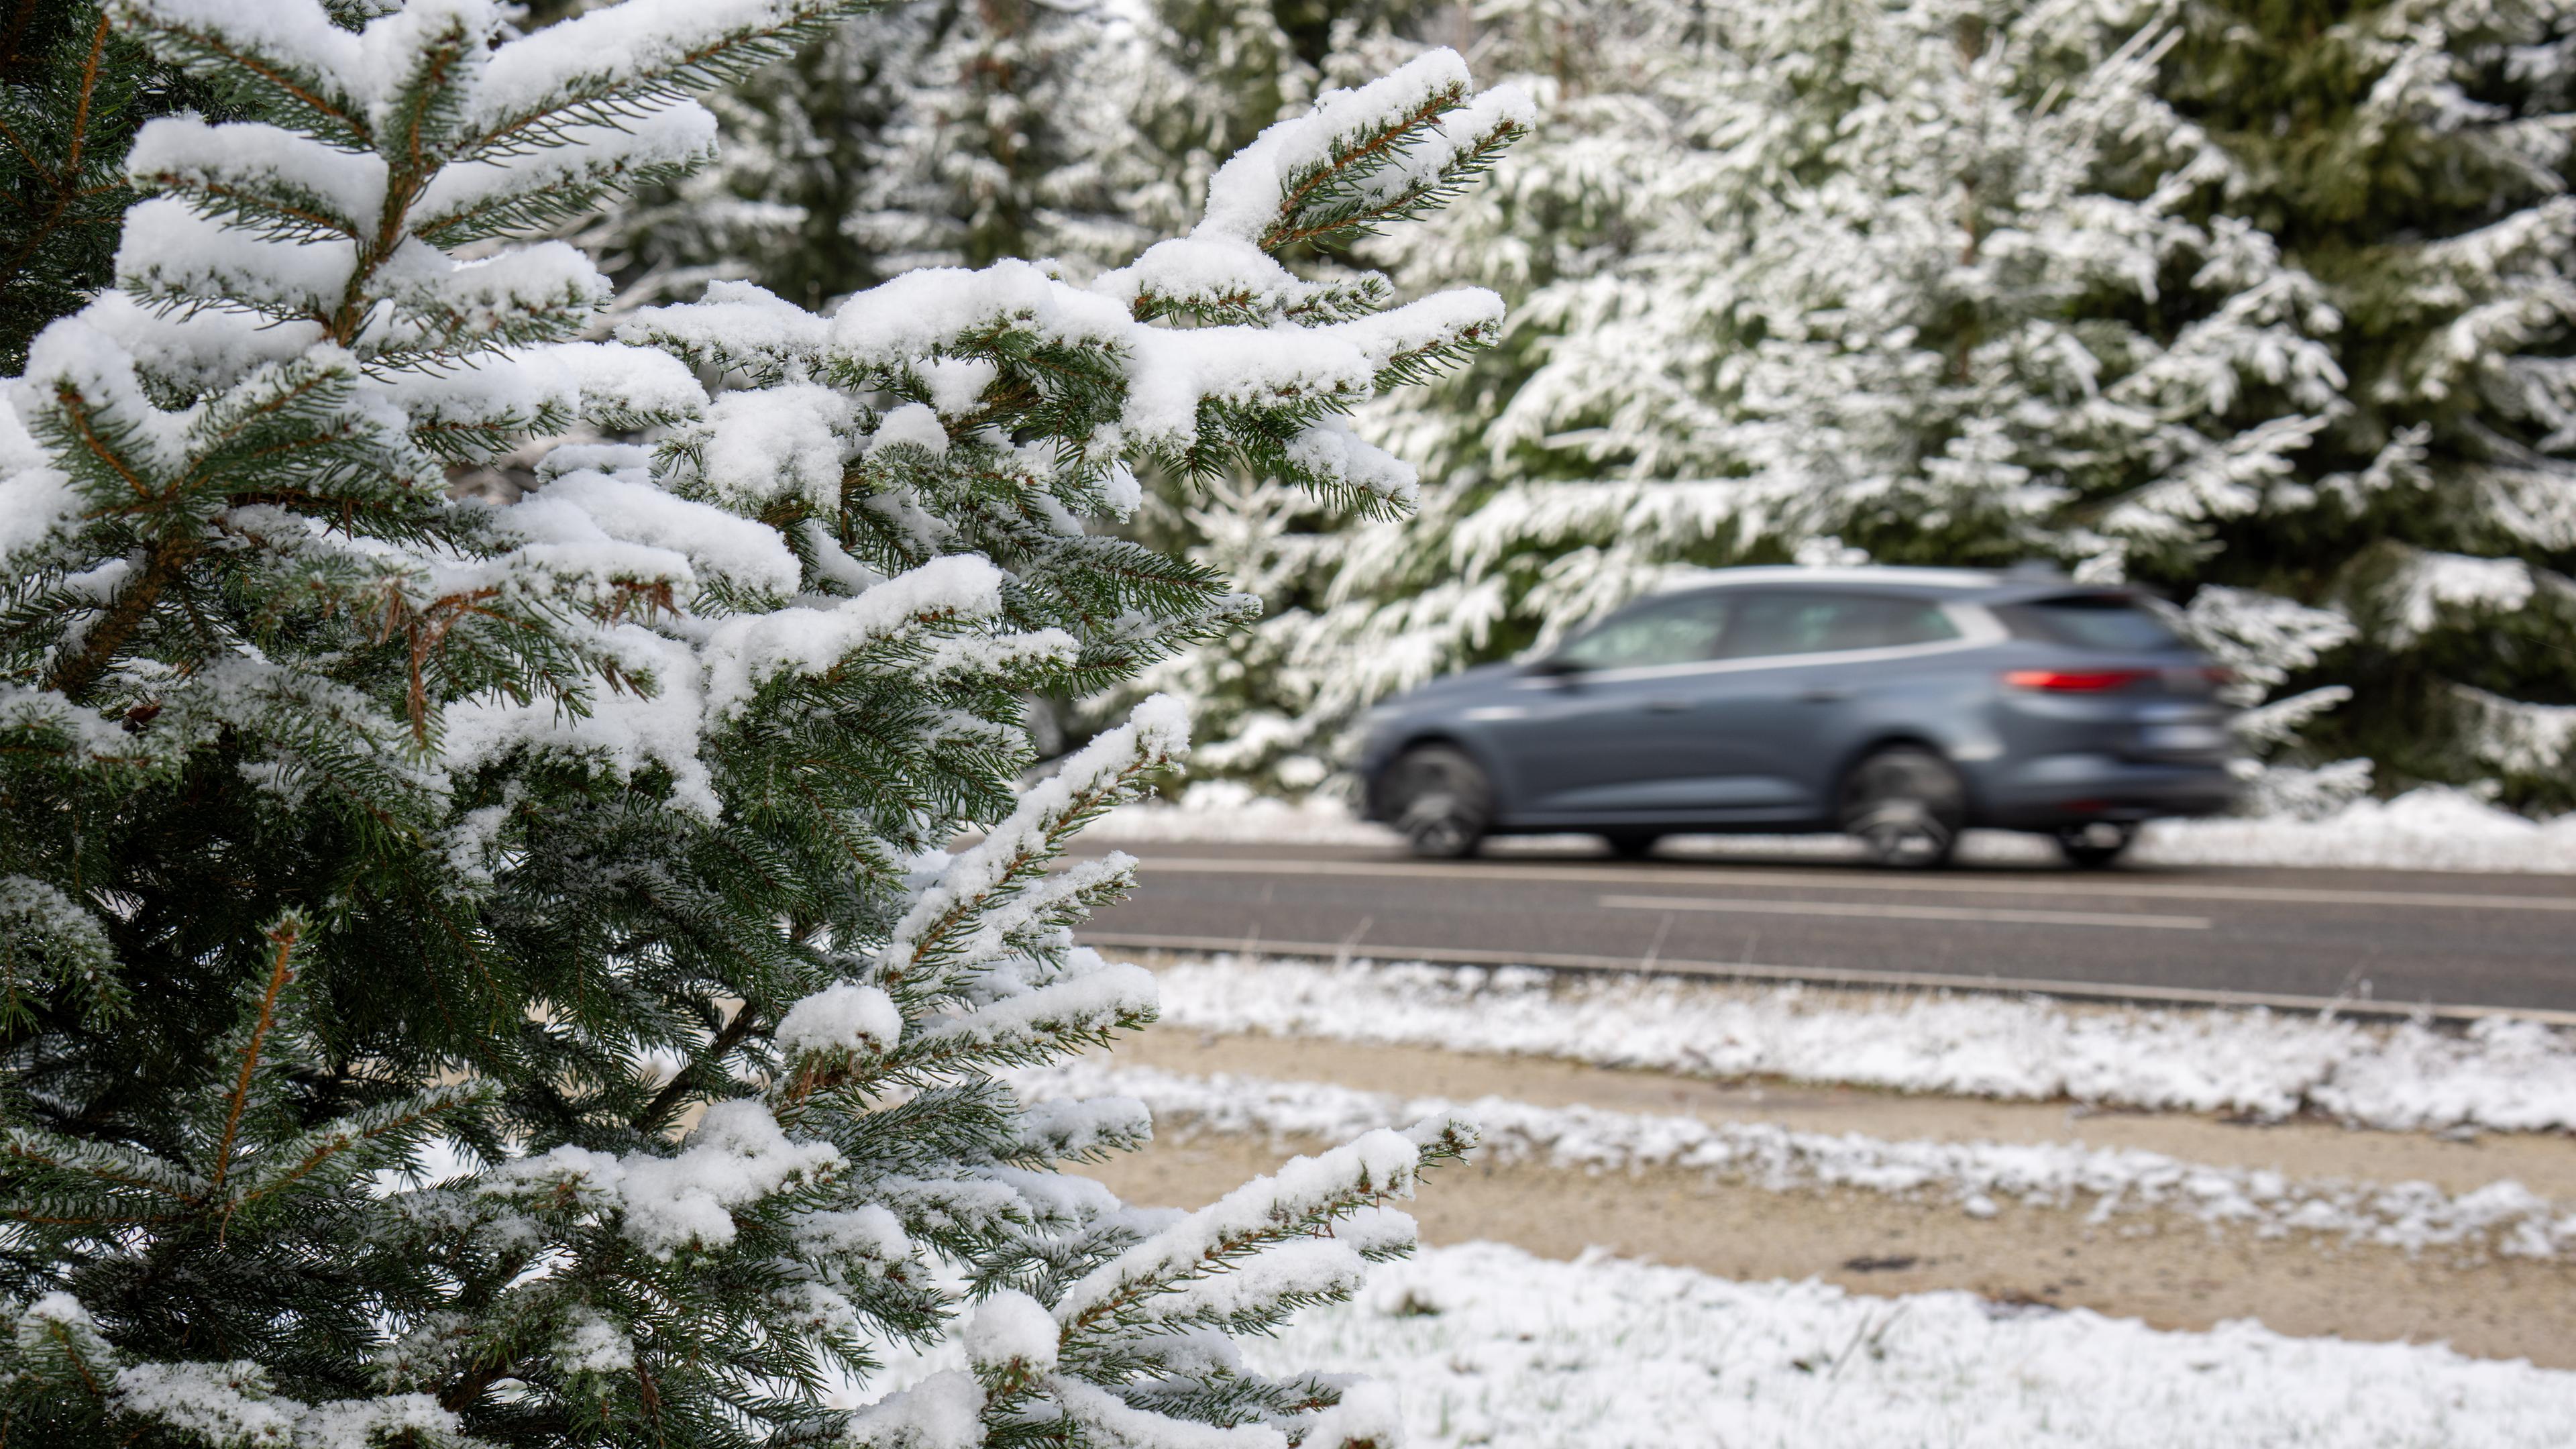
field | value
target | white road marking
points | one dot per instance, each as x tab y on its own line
1979	914
1835	976
1721	877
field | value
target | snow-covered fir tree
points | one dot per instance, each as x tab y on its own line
947	133
1974	284
481	976
2416	161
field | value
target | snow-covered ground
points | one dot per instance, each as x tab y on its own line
1488	1345
2428	829
1976	1177
2497	1075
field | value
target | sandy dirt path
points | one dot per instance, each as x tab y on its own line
2168	1270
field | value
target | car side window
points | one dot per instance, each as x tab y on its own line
1819	623
1683	630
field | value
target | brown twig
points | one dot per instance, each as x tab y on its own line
672	1091
281	970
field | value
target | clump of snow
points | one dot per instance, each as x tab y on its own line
2432	586
739	322
593	1345
943	1411
186	152
1487	1345
718	543
2433	828
2499	1074
2501	1218
1370	1414
623	730
736	1156
921	312
1011	1328
777	443
1328	448
844	1017
748	650
913	425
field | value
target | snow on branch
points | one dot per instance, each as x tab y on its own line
1393	149
951	926
746	652
1130	1294
289	59
622	61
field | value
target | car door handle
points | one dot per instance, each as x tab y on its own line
1823	694
1667	706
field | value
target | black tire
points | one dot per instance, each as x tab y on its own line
1633	844
1906	805
1441	800
2096	846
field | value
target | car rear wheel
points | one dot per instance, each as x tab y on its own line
1441	800
2095	845
1633	844
1906	805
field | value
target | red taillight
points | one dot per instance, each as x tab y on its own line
2075	681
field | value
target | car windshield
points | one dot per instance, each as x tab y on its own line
1682	630
2121	622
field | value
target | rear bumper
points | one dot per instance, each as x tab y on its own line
2060	790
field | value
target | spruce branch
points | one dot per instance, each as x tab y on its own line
63	181
165	563
283	936
583	90
294	89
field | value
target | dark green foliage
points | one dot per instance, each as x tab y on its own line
2417	162
72	91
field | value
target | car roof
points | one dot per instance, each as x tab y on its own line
1980	585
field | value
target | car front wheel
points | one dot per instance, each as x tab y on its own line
1441	800
1906	805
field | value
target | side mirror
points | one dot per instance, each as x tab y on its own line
1558	670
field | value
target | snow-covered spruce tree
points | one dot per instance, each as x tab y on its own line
488	976
2416	161
945	133
1926	283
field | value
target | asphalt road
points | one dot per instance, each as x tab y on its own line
2459	945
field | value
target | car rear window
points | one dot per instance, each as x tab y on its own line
2122	622
1820	623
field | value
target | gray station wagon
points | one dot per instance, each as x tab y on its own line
1899	705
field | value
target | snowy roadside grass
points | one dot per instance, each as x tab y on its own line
2428	829
1489	1345
2111	1185
2498	1074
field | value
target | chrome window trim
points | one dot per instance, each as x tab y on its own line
1977	627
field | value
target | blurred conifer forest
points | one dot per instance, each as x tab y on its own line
2264	304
